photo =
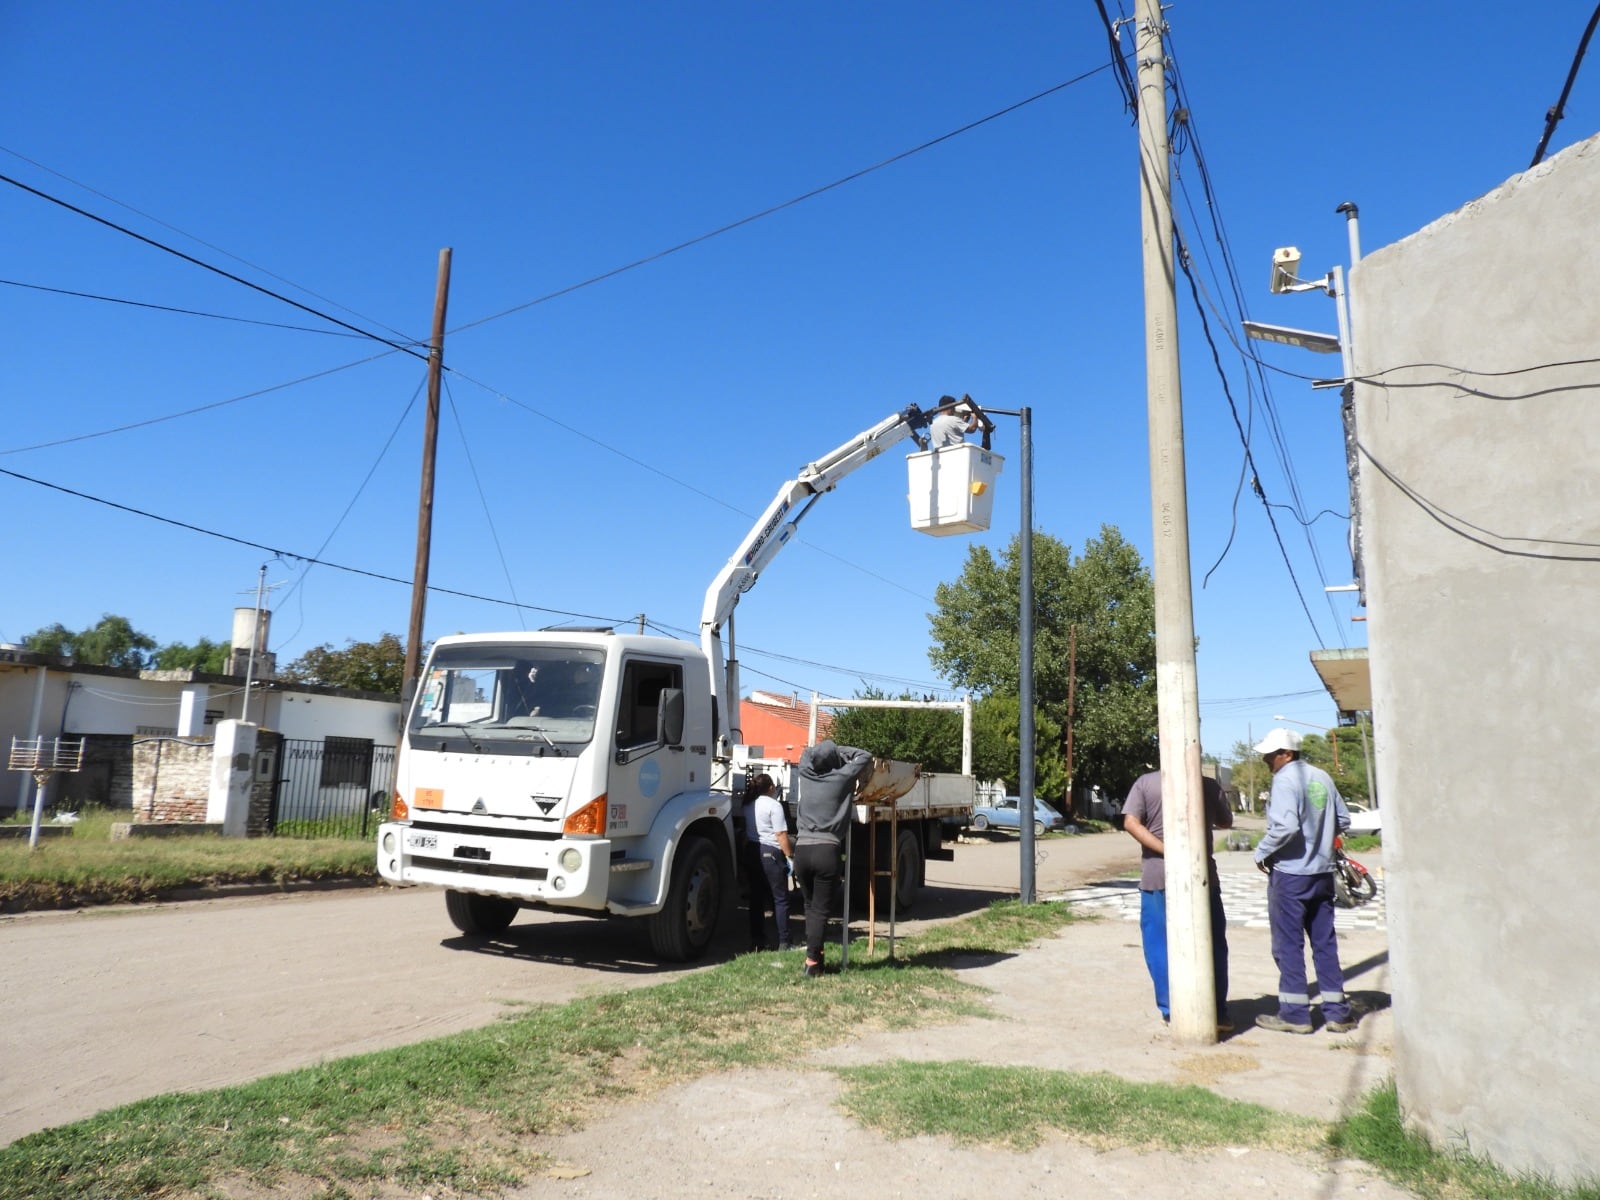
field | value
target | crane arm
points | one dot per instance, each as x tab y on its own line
771	533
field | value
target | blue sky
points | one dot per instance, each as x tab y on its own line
602	452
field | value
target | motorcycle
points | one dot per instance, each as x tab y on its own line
1353	884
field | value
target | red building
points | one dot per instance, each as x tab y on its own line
780	725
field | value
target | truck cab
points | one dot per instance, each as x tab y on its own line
567	770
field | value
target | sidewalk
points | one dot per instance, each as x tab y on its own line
1078	1002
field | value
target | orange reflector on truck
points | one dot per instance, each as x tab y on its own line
590	819
398	809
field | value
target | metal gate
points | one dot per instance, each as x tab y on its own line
337	787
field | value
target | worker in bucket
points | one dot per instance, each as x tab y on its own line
956	419
828	778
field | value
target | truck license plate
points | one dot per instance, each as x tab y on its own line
422	841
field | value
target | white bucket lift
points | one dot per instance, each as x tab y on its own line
952	490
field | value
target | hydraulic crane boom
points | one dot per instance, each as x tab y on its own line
771	533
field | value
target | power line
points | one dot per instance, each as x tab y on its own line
189	258
187	312
777	208
197	240
488	514
1558	110
189	412
290	554
1444	517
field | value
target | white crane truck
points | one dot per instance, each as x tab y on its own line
594	772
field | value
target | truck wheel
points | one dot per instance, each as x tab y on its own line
683	929
479	915
907	871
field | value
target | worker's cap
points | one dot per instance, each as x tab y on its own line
1279	739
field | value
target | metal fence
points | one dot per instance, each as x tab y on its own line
337	787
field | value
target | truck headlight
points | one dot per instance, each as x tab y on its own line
570	859
388	843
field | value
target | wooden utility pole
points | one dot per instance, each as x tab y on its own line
1191	977
430	442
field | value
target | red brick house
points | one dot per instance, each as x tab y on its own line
779	724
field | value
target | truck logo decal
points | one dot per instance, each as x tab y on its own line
478	806
545	806
766	532
649	778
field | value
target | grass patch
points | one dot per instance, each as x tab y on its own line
87	867
1377	1134
1363	841
456	1113
1015	1106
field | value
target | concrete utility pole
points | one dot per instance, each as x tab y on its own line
1190	972
430	442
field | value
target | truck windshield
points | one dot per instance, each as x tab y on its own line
508	699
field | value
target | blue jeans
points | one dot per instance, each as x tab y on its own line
1153	932
1300	907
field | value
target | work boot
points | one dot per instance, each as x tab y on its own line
1277	1024
1348	1025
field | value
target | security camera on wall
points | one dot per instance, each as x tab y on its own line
1285	269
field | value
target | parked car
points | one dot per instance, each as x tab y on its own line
1364	819
1004	814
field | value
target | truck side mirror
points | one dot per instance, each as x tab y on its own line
669	717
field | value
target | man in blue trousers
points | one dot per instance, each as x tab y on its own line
1141	818
1304	815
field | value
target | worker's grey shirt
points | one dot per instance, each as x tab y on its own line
1303	815
828	775
947	429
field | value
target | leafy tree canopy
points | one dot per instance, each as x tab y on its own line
932	737
205	655
365	666
112	642
1349	775
1106	596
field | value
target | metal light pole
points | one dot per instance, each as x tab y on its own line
1025	768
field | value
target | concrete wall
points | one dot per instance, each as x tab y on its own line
1480	500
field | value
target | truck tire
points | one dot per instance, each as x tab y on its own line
683	929
479	916
908	868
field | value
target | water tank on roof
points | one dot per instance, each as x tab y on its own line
952	490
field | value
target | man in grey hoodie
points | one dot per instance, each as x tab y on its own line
828	777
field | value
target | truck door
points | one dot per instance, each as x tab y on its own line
646	771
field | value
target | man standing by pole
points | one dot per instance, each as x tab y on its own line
1304	815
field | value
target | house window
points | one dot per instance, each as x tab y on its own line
346	761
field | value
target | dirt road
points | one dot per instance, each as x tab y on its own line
113	1005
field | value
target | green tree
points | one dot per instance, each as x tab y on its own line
997	748
1350	777
1106	596
205	655
111	642
364	666
933	738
